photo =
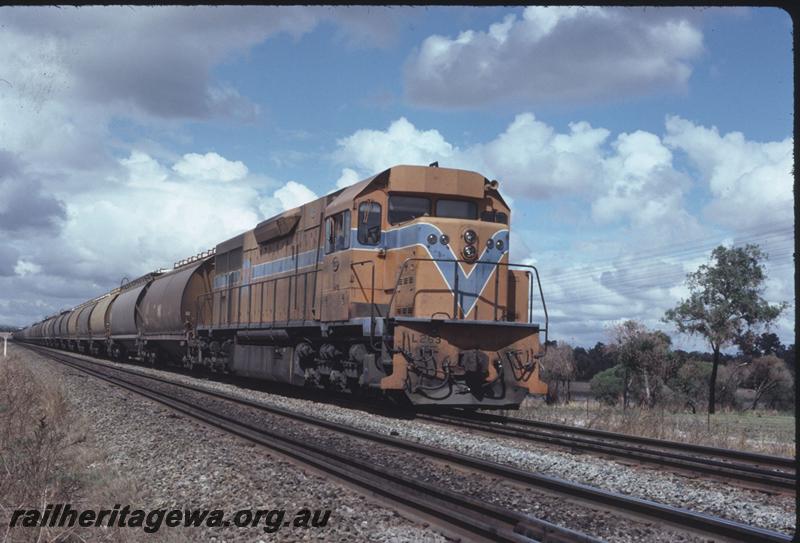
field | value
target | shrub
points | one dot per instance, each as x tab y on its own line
607	386
770	380
558	369
729	379
647	359
690	384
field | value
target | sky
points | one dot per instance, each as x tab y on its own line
629	141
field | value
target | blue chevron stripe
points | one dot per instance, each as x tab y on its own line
470	285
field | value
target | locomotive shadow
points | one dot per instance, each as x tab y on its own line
397	408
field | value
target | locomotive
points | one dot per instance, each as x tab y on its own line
397	286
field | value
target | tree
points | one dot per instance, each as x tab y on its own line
753	345
582	363
770	343
691	382
645	358
591	362
730	378
558	368
607	386
725	303
767	374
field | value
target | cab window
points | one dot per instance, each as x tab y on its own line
494	216
457	209
406	208
369	223
337	232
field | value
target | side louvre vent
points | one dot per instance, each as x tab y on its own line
277	227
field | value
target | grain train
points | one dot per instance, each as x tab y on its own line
398	286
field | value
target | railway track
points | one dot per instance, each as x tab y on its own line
460	514
465	514
772	473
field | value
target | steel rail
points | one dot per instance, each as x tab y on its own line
732	454
679	517
619	447
466	514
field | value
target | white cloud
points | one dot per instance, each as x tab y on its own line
401	143
633	178
641	182
210	167
751	182
534	160
97	54
294	194
23	267
67	73
151	219
541	21
630	179
143	170
557	54
348	177
147	218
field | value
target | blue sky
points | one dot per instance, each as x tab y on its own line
630	140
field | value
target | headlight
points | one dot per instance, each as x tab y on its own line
470	252
432	239
499	244
470	236
489	243
445	239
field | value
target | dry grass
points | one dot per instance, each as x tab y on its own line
759	431
41	444
47	458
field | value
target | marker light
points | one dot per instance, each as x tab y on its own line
445	239
499	244
432	239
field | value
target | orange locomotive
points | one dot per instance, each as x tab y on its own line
399	285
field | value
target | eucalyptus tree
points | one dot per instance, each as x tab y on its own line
726	304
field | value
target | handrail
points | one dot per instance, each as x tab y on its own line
456	290
205	298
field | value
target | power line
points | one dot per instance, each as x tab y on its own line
659	280
650	270
641	270
713	239
630	287
686	251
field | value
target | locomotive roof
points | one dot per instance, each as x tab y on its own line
345	198
424	179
